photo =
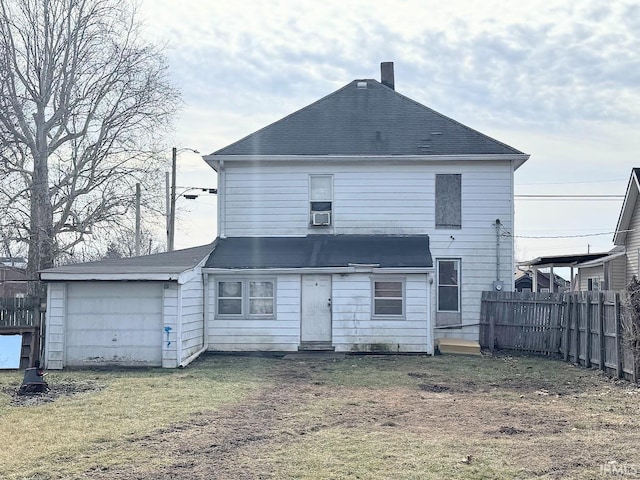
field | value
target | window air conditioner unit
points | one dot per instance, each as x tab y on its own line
319	219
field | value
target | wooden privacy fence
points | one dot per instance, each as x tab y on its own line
584	328
23	316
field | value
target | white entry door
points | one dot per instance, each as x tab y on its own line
316	308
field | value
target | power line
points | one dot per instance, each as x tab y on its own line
567	196
567	236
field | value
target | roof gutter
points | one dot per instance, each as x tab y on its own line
62	277
214	160
318	270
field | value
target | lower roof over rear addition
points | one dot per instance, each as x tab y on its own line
321	251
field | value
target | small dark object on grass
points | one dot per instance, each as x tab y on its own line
33	381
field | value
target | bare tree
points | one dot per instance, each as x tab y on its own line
83	104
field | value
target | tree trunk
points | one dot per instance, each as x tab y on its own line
41	242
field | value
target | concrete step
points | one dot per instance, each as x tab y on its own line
458	346
316	347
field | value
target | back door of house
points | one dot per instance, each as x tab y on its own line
316	308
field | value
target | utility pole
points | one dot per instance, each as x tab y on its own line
167	207
137	219
172	218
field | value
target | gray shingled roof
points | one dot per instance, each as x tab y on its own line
174	262
375	120
319	251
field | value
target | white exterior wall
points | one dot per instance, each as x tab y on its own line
355	330
170	323
618	273
591	272
281	333
54	324
192	314
384	198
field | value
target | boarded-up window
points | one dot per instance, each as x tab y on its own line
448	201
448	285
388	298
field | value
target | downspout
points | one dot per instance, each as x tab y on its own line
498	285
497	249
222	200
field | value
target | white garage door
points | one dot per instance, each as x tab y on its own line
114	322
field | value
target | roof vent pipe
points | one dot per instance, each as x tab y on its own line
386	75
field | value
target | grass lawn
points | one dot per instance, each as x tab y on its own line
366	417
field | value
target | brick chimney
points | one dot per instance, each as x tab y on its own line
386	75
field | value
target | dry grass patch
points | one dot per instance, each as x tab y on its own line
97	427
361	417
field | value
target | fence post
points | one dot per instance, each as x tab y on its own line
492	326
567	326
601	338
588	344
576	329
619	352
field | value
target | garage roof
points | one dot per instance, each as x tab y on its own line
159	266
321	251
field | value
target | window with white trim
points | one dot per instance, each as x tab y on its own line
388	298
320	200
448	285
246	298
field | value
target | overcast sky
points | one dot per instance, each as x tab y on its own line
559	80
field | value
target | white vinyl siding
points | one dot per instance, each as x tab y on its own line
355	328
280	332
590	274
192	329
54	332
618	273
632	246
398	198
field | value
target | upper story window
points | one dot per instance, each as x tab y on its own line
320	200
449	200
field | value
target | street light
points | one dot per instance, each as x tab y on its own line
171	211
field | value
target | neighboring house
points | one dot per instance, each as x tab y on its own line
627	235
363	222
604	273
13	277
611	270
524	282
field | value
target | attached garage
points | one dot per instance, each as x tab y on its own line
114	322
141	311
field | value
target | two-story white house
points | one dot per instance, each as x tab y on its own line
362	222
